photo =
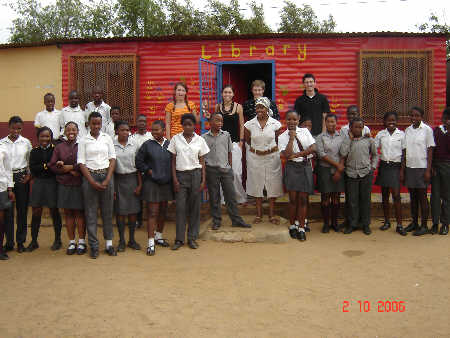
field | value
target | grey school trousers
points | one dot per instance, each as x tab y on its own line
359	192
94	199
440	193
188	200
216	177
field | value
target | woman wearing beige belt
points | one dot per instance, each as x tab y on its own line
263	162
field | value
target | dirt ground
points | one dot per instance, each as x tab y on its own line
233	290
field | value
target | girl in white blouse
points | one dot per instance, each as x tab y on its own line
263	161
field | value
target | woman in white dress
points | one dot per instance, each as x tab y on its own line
263	161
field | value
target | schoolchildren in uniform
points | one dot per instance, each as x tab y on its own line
295	144
70	197
44	189
330	173
188	175
154	161
416	168
6	194
219	173
50	117
97	160
110	128
128	186
390	141
73	113
360	156
440	180
99	106
19	149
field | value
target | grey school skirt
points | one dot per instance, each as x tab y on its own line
70	197
388	175
155	193
44	193
298	176
5	202
126	202
325	183
414	178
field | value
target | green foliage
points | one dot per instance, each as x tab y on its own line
435	26
303	20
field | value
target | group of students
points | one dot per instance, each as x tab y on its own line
88	159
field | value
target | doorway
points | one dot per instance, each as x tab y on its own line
240	74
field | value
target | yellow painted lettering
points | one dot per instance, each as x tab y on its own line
270	50
251	49
220	49
301	52
235	52
285	47
204	56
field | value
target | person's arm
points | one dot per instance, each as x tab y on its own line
310	150
168	117
374	154
289	149
36	165
138	189
141	160
240	111
203	182
430	145
176	184
325	111
81	160
247	136
112	162
320	148
403	166
230	151
55	164
9	176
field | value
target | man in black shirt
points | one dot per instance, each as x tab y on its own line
312	104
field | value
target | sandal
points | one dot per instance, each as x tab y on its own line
274	220
258	219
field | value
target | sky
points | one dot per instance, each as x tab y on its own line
350	15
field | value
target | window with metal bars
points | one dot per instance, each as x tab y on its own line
115	74
392	80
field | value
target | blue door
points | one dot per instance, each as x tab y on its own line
209	89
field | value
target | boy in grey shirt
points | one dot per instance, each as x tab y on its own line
220	174
360	156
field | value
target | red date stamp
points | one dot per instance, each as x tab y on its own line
380	306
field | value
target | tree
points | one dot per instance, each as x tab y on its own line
435	26
303	20
65	19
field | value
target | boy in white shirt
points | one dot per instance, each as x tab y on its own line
73	113
110	128
99	106
50	117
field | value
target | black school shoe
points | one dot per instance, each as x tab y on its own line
111	251
4	257
241	225
177	245
444	230
32	246
301	235
121	246
348	229
293	233
8	248
134	245
94	253
367	230
192	244
423	230
325	229
434	229
57	244
20	248
412	227
401	230
385	226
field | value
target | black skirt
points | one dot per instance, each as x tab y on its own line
70	197
414	178
325	183
155	193
126	202
5	202
388	175
298	176
44	193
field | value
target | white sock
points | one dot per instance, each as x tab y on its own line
297	223
108	243
72	241
81	241
293	226
306	221
151	242
158	235
301	229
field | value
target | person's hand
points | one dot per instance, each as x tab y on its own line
292	133
427	176
105	184
59	164
433	172
25	179
11	196
97	186
340	167
337	176
202	186
241	144
149	172
115	196
402	176
176	186
138	189
350	135
74	173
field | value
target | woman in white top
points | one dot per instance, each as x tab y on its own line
188	175
390	141
416	168
295	145
19	149
263	161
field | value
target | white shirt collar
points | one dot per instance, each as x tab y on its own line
19	139
100	134
443	129
117	143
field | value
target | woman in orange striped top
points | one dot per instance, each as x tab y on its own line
178	107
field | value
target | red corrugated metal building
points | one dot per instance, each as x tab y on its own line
377	71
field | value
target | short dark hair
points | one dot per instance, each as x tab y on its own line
42	129
308	75
93	115
330	115
356	119
115	108
215	113
352	106
420	110
188	116
14	119
117	124
291	111
71	122
49	94
390	113
73	92
141	115
160	123
446	112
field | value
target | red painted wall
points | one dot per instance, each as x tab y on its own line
334	62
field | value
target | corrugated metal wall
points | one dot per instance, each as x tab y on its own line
334	62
